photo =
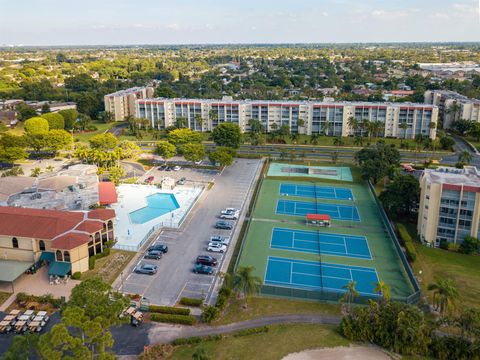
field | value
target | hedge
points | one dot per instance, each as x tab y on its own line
251	331
196	339
168	310
175	319
411	252
190	301
402	230
407	241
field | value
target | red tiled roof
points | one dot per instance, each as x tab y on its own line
107	193
70	241
102	214
90	226
37	223
318	217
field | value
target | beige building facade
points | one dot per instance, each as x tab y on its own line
122	103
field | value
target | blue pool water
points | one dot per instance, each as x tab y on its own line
158	205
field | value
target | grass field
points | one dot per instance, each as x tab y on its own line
101	128
278	342
110	267
260	307
385	258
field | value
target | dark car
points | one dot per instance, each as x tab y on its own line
206	260
168	168
154	255
223	225
158	247
162	167
148	269
203	269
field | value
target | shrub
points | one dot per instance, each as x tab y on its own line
252	331
174	319
23	297
407	241
190	301
76	275
209	314
469	245
187	341
91	262
168	310
443	244
453	247
411	252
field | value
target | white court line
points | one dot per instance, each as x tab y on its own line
326	265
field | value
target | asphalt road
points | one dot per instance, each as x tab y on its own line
175	278
461	146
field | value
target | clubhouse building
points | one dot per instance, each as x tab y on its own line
302	117
64	239
449	205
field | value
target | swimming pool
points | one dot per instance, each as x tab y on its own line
158	205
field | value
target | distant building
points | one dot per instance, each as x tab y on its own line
306	117
122	103
54	106
453	106
449	205
397	94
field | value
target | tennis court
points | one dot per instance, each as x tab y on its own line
302	208
310	275
313	191
323	243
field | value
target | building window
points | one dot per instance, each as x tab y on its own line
58	255
66	256
41	245
15	243
97	237
110	225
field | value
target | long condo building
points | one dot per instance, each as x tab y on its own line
122	103
304	117
449	206
453	106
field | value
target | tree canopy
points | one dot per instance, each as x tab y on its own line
401	196
180	137
227	134
376	161
55	121
193	152
36	125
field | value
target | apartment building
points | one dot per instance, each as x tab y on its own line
122	103
449	205
304	117
453	106
65	239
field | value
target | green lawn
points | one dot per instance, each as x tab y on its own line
464	270
110	267
278	342
101	128
260	306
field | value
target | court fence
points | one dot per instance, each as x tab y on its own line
415	297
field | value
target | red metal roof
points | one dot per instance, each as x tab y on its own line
107	193
318	217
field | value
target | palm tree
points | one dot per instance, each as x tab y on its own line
444	294
314	139
374	125
365	127
465	157
245	283
337	141
294	137
334	156
358	141
300	123
197	120
383	290
352	124
326	127
455	110
350	294
404	127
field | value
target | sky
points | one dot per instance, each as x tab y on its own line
121	22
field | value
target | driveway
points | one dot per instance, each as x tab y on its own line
175	278
461	146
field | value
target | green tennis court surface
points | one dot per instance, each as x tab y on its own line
318	242
357	238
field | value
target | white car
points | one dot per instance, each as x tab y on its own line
228	211
177	168
216	247
232	216
220	239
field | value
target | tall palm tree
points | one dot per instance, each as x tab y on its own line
455	110
465	157
353	124
245	283
334	156
326	127
358	141
404	127
382	289
365	127
444	294
294	137
350	294
314	139
337	141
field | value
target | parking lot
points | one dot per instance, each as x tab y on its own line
175	278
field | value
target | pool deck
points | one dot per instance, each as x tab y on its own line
133	197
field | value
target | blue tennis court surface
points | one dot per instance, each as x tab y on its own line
323	243
302	208
313	191
310	275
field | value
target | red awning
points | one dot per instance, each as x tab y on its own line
107	193
318	217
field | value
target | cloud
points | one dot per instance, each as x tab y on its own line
209	26
387	15
173	26
440	16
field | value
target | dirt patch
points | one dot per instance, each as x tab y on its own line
340	353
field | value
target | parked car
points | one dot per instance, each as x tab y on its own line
203	269
220	239
158	247
162	167
168	168
148	269
206	260
225	225
231	216
149	179
182	181
198	162
153	254
229	211
216	247
177	168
